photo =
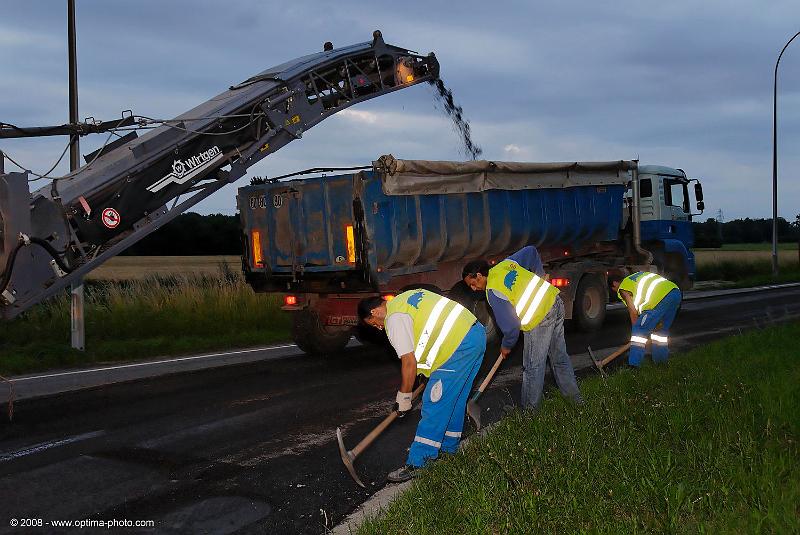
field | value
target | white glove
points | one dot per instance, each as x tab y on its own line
403	403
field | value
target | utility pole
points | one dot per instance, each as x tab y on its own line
775	162
77	301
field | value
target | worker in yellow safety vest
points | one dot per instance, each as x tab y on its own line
438	338
522	300
652	303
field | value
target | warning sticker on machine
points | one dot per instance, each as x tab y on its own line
110	218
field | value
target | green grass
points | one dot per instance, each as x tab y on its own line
144	318
707	445
743	271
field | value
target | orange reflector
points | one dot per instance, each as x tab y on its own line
351	244
290	300
410	78
388	297
258	255
559	283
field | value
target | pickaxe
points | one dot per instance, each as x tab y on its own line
599	365
349	456
473	409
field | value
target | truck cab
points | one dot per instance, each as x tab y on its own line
666	220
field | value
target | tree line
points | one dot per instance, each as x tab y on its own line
713	233
193	234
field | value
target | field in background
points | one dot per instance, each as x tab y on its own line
136	319
704	257
140	267
148	306
747	264
713	264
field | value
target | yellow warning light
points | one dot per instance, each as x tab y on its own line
258	255
405	70
351	244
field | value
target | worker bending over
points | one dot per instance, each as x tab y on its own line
438	338
652	303
522	300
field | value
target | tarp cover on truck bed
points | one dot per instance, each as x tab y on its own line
421	177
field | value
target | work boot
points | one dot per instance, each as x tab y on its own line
403	473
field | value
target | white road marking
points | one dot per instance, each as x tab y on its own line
150	363
31	450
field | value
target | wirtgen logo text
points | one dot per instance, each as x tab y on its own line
185	170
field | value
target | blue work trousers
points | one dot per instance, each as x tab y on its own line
654	325
444	401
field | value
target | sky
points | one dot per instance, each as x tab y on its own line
686	84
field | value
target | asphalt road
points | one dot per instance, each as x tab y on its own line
251	448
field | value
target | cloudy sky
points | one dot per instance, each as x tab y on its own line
680	83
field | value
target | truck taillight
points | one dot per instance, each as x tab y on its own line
290	300
351	244
258	254
559	283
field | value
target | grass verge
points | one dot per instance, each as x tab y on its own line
708	445
144	318
744	274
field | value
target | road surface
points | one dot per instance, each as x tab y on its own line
250	448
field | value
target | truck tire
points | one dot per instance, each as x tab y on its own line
483	312
422	286
476	303
589	306
369	336
673	267
312	337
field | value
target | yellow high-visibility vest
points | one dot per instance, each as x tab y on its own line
647	289
439	325
531	295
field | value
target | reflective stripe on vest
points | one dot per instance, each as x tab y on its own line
531	295
439	325
647	289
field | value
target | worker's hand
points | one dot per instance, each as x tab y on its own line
402	403
504	352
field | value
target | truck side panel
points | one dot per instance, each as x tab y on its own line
301	228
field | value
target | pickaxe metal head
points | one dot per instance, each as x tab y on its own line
347	458
474	412
597	364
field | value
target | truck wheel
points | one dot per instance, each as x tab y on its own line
483	312
589	307
372	337
422	286
676	271
476	303
311	336
673	267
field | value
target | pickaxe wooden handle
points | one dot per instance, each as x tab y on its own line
489	377
348	456
615	354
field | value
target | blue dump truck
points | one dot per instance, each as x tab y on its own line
325	242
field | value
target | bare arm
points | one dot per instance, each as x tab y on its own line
628	298
409	372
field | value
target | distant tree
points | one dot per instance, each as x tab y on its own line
746	230
192	234
707	234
